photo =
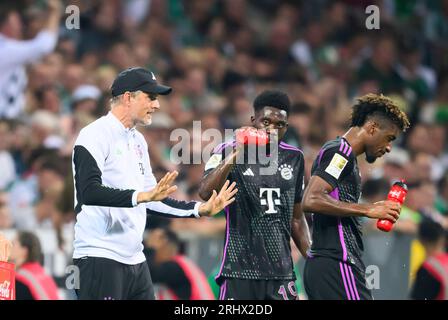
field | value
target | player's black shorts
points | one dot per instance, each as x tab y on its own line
106	279
329	279
247	289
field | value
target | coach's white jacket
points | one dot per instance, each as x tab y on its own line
110	166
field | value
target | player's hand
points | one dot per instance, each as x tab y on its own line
389	210
162	190
218	201
5	248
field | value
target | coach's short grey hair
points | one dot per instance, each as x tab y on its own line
115	100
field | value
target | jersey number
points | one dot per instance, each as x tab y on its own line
291	288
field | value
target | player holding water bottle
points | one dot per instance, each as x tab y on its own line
267	210
335	269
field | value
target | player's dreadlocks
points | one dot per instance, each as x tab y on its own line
378	105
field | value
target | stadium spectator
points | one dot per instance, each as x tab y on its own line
16	53
8	172
431	282
32	281
5	212
175	275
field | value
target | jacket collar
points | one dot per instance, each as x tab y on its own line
117	125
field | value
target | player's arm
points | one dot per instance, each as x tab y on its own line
334	165
217	169
299	227
157	200
173	208
216	173
300	230
317	199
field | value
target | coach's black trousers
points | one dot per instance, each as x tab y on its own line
106	279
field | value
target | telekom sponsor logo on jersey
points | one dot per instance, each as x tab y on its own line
270	201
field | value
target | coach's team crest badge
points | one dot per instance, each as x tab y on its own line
286	171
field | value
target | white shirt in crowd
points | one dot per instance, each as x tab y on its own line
14	56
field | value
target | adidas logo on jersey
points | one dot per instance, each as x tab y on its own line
248	172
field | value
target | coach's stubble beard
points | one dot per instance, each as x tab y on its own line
146	121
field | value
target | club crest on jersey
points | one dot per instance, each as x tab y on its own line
286	171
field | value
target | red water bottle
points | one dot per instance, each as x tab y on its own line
7	281
252	136
396	193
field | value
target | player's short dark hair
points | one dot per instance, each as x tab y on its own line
374	105
430	232
272	98
30	241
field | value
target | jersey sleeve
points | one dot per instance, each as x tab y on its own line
334	165
172	208
217	156
300	183
89	156
212	163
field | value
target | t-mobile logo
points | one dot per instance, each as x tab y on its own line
270	201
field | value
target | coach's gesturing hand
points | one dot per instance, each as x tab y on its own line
162	189
219	201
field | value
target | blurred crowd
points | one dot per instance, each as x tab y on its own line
217	55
